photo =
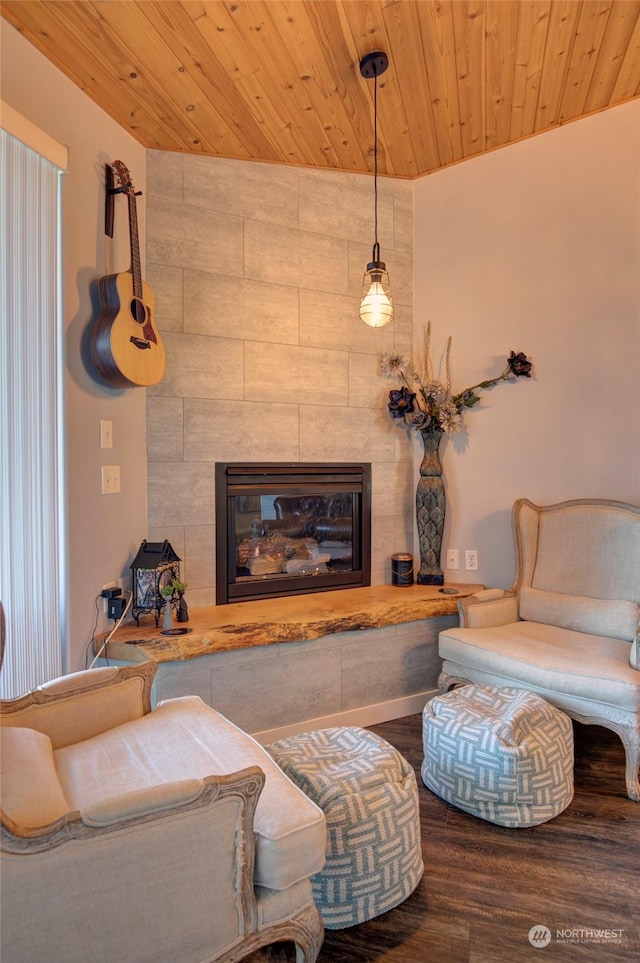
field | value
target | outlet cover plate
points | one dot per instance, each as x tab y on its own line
110	479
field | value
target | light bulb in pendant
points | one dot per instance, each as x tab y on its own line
376	305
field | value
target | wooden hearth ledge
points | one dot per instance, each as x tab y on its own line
297	618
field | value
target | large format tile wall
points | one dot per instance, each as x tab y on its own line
257	271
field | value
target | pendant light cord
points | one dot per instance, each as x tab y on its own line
376	246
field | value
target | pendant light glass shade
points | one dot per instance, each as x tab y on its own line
376	304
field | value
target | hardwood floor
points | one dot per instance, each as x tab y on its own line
485	886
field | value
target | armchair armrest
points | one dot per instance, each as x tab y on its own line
82	705
113	810
488	609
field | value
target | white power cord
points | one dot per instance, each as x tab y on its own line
113	630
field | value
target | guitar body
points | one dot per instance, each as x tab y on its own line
126	348
125	345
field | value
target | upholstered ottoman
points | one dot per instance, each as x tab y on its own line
369	796
505	755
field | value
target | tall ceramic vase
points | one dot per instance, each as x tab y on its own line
430	509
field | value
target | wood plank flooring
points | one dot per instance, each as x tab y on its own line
485	886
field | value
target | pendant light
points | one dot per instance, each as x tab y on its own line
376	306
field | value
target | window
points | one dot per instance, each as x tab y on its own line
31	456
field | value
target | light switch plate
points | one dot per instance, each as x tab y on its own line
106	434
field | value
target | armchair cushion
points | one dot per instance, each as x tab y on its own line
616	618
32	796
184	739
538	657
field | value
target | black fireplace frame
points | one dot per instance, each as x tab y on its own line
251	478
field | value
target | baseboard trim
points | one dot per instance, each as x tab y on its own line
362	716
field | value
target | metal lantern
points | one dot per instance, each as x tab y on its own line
155	566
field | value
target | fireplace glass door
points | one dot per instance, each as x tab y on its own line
291	529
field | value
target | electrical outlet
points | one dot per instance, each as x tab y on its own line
110	479
471	560
452	558
106	600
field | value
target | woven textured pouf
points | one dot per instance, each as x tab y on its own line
505	755
369	796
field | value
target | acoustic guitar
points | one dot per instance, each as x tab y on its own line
126	348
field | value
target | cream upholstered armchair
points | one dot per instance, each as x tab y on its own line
568	628
138	835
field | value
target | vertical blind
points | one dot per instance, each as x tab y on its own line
31	459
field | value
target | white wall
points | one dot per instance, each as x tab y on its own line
103	532
536	248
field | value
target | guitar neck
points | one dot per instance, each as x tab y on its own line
135	247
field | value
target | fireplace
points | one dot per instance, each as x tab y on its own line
285	529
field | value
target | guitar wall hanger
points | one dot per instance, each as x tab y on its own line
110	193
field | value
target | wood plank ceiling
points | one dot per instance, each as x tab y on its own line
279	81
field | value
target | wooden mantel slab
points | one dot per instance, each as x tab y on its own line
297	618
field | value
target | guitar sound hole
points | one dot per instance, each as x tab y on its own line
138	311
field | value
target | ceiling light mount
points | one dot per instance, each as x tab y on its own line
374	64
376	305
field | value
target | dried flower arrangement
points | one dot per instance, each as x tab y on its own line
427	403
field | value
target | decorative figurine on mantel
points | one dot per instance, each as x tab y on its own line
433	410
183	611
